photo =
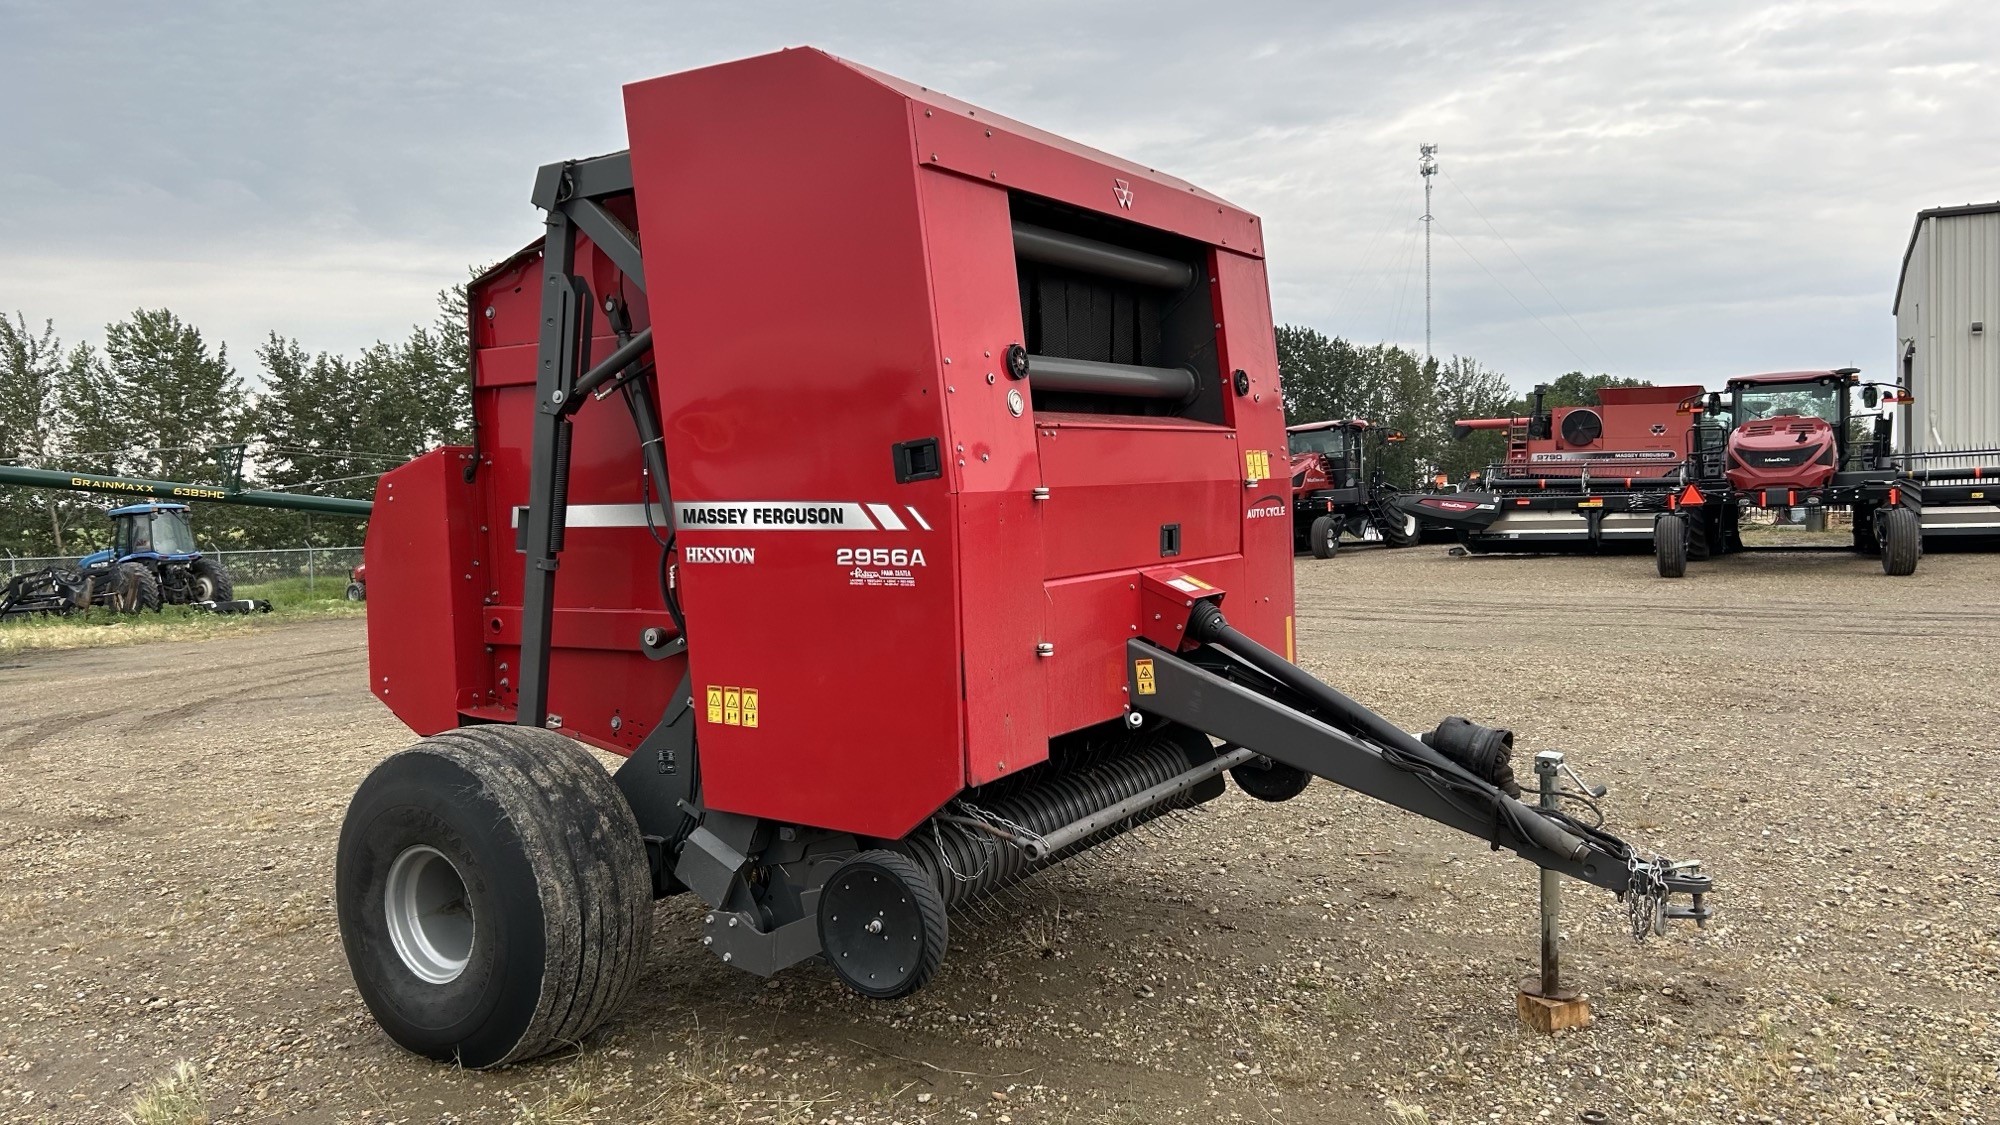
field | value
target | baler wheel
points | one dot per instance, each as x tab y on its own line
493	895
134	589
1324	537
211	581
1272	781
882	925
1670	544
356	592
1902	535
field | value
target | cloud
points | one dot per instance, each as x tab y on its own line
1663	190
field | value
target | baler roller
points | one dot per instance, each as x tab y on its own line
1091	377
1039	244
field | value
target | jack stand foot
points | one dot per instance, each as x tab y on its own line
1550	1014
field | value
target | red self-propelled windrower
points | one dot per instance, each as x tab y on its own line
872	472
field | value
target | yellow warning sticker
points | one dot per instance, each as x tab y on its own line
1257	464
1291	640
1143	671
732	706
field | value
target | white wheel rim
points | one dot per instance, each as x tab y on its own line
429	913
1409	525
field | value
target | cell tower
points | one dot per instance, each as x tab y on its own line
1427	166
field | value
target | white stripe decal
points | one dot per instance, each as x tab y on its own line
918	516
604	515
887	517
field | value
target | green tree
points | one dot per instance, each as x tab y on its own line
32	369
1468	389
1574	388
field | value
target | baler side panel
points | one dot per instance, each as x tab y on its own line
601	685
424	655
1247	342
779	208
1114	486
991	452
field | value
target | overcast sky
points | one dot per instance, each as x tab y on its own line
1672	191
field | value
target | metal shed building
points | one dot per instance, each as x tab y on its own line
1947	308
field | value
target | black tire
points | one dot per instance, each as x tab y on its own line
550	867
134	589
1670	544
208	581
1271	781
1324	537
1401	530
1902	533
887	890
1866	541
356	592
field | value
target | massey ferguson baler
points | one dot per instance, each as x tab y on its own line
892	485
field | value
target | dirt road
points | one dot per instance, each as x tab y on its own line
1822	735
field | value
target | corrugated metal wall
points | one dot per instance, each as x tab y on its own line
1953	282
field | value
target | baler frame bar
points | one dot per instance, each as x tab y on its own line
572	194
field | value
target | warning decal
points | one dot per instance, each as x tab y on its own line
732	706
1256	464
1142	670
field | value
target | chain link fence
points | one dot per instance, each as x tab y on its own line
246	568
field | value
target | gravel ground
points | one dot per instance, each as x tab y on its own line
1806	725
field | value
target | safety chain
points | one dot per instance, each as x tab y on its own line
1646	897
1027	835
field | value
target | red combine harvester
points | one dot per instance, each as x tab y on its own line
1784	440
1339	488
971	625
1572	477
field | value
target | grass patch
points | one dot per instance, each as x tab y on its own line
291	599
174	1100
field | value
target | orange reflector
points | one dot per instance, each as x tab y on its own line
1895	496
1791	497
1691	496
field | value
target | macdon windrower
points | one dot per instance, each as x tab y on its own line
900	490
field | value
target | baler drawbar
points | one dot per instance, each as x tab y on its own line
894	575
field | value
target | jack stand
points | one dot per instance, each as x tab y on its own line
1544	1004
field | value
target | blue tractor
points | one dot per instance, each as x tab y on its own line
152	561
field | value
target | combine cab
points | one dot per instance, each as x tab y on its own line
1339	488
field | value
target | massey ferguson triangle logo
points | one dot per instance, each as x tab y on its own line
1123	191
